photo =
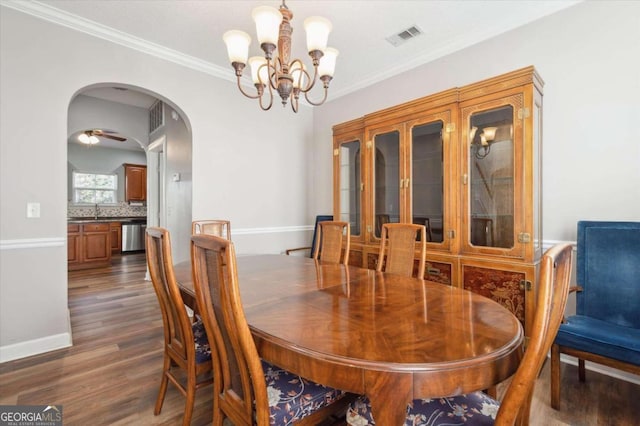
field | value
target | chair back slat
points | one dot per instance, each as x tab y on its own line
240	378
334	242
398	247
608	270
553	289
176	321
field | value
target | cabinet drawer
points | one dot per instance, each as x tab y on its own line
73	228
95	227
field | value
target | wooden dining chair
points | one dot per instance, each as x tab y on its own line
248	390
397	248
217	227
185	344
334	241
477	408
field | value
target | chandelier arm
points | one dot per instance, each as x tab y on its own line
247	94
294	103
270	97
326	92
312	82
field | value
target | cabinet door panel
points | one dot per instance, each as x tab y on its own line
135	182
116	237
349	185
503	286
97	246
492	217
73	248
386	179
427	178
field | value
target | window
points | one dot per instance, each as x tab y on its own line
94	188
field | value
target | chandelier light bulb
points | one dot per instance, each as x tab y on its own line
328	62
237	45
267	21
256	62
317	29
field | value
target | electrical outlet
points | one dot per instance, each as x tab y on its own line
33	210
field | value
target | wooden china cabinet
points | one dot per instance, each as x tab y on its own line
465	163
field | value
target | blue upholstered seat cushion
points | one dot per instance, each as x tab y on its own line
292	397
474	408
600	337
203	351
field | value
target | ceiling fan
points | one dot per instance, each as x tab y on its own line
90	137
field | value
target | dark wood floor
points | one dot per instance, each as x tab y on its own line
112	372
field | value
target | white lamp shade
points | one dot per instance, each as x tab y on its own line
267	21
317	29
328	62
255	62
489	133
237	45
299	77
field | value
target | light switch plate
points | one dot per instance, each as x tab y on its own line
33	210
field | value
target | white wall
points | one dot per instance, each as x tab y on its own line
589	58
178	194
254	174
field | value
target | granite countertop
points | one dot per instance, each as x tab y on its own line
134	219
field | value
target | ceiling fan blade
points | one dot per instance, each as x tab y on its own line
117	138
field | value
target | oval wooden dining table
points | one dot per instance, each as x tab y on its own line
386	336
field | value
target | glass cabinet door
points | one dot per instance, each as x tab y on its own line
427	178
386	179
493	182
349	185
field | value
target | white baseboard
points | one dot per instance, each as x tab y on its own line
35	347
38	346
602	369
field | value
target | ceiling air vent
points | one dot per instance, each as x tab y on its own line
404	35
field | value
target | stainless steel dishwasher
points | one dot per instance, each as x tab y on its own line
133	234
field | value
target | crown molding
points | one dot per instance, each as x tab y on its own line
96	29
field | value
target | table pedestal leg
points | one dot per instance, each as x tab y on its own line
389	394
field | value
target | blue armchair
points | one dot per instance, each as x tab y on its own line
606	327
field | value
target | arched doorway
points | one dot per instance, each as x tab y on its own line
127	120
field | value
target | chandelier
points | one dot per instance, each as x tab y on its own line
286	76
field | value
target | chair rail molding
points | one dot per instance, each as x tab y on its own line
29	243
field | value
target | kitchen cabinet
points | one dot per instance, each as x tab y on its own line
73	244
88	245
116	237
465	163
135	182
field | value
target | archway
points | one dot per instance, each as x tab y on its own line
125	111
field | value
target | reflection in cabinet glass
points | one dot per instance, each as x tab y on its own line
387	179
350	179
491	177
427	189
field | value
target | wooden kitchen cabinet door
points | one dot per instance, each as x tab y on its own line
135	182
